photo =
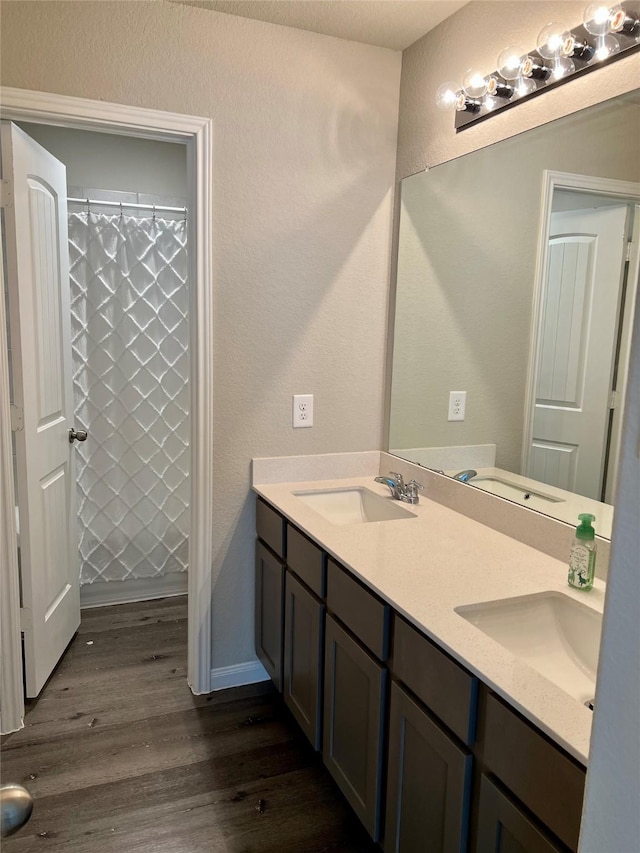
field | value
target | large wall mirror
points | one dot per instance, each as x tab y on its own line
516	283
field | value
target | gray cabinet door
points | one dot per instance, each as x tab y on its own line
428	783
269	612
354	693
303	657
504	828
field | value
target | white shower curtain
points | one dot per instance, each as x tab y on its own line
129	308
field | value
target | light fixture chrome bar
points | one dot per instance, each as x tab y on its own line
93	202
576	51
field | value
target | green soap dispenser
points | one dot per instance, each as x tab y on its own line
582	561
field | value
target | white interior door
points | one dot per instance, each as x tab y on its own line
38	282
577	348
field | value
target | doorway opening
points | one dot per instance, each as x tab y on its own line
129	304
195	134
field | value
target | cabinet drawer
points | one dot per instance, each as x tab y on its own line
504	828
438	681
307	561
361	611
270	527
541	776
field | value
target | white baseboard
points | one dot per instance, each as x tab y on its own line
102	593
236	676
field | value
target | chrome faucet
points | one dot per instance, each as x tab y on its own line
405	492
466	475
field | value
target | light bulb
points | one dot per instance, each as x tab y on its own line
447	96
597	19
562	67
552	41
509	62
523	86
606	46
474	84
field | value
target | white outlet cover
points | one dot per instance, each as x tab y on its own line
302	415
457	405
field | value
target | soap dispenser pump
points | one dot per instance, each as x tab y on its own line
582	561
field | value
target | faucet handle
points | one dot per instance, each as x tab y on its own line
415	485
398	478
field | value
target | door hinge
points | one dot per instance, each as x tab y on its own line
613	402
6	194
629	248
26	619
17	418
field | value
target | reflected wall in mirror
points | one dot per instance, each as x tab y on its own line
516	284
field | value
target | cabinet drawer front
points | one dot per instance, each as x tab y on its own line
442	684
503	827
361	611
270	527
540	775
269	612
303	657
429	783
354	695
307	561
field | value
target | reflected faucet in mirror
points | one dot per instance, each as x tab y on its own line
466	475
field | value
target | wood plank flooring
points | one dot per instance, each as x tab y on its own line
121	757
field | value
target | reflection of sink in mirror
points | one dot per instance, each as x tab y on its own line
512	490
550	500
353	506
551	632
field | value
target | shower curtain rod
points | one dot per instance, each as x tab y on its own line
98	203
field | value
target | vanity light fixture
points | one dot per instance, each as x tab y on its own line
606	33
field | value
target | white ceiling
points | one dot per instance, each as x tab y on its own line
387	23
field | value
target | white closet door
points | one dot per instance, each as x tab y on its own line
577	351
38	279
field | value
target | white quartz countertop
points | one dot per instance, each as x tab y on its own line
426	566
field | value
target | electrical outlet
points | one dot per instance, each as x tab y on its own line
302	410
457	405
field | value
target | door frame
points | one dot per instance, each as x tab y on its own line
197	133
552	181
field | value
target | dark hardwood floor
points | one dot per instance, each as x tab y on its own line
120	756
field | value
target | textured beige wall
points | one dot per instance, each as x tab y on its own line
474	36
304	157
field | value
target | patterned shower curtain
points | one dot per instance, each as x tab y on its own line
130	333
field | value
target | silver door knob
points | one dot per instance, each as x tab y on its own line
77	435
16	806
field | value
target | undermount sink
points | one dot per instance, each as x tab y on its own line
551	632
509	489
353	506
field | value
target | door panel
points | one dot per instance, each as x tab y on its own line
38	284
354	697
577	348
269	612
303	657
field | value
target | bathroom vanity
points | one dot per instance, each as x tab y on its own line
438	736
